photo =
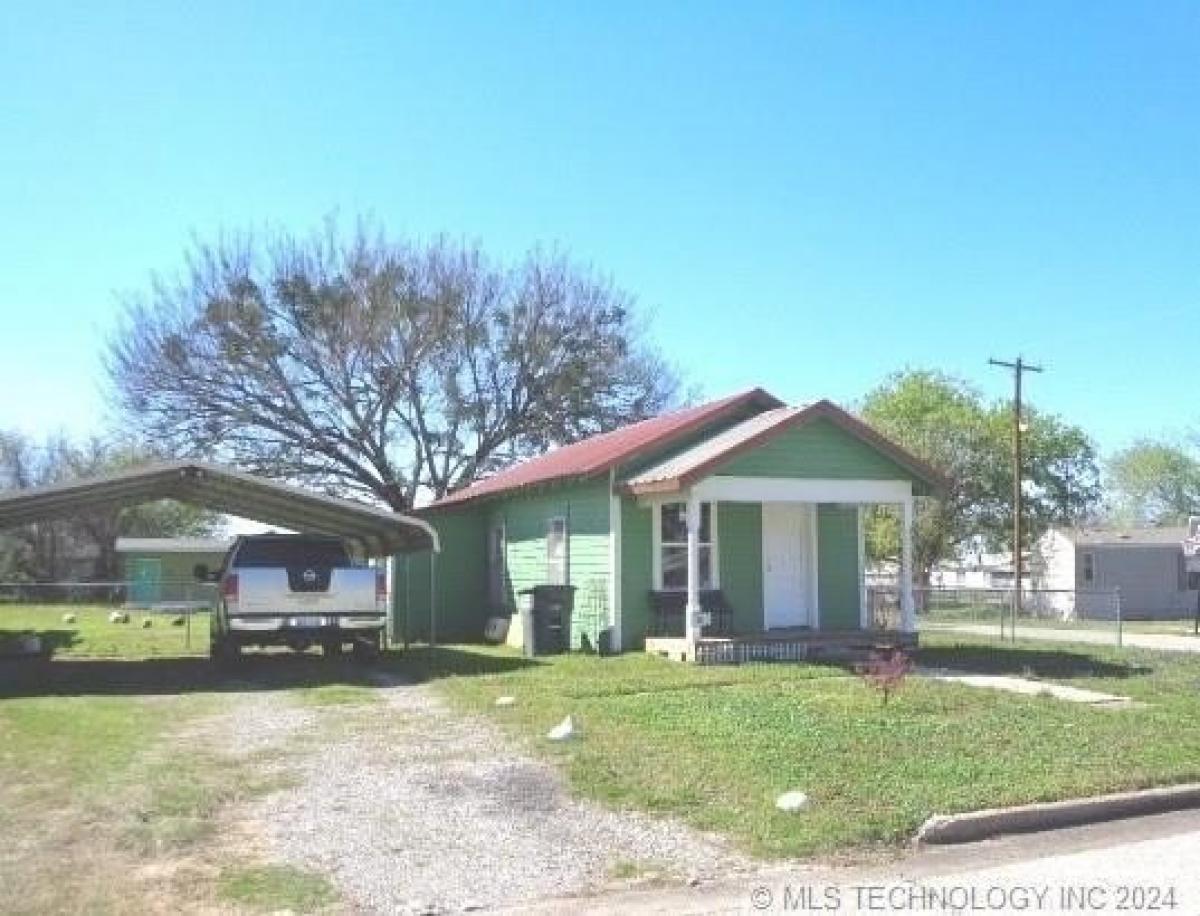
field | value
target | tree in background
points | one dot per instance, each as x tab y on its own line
947	423
51	550
1154	483
389	369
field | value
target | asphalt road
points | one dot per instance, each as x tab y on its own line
1142	865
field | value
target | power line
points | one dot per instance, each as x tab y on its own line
1018	367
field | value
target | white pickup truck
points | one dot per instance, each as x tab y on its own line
296	590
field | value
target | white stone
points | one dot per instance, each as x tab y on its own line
563	731
791	801
68	618
505	701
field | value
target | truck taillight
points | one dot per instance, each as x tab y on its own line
380	591
229	587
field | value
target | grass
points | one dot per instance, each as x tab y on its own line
92	635
273	888
96	766
119	796
715	746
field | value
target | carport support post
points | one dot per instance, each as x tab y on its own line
433	597
691	613
908	614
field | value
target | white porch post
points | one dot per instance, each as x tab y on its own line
908	614
691	631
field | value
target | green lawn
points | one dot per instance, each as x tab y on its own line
117	798
84	740
92	635
715	746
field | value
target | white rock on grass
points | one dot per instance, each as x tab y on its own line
563	731
68	618
118	617
505	701
791	801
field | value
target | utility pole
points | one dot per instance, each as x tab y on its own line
1019	368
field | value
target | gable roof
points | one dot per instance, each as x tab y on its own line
603	452
701	459
379	531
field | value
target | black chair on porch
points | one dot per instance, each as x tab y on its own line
667	610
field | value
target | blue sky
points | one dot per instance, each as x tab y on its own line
802	196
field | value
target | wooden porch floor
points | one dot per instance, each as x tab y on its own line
787	644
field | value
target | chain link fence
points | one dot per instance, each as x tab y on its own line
1088	615
126	619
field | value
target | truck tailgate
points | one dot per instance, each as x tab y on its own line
267	591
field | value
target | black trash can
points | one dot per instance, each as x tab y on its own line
551	607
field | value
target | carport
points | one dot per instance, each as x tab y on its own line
376	532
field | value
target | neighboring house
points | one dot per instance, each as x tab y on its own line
775	495
159	571
1144	565
976	568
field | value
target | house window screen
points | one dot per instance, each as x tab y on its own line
556	551
673	538
497	592
1089	568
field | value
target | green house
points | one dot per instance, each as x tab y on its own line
158	572
737	522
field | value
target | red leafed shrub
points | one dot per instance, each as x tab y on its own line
885	671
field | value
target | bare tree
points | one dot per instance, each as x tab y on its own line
388	369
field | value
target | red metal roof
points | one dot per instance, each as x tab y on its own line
608	450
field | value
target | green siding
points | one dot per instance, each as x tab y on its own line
838	594
817	449
739	547
461	603
637	571
526	519
175	580
175	567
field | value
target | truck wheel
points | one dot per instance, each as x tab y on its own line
366	648
331	648
224	651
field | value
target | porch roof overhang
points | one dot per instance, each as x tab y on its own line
379	532
689	467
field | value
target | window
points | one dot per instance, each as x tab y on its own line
556	551
1089	568
672	551
496	564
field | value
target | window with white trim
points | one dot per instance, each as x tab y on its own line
672	547
556	551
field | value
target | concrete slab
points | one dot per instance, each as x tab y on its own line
1026	686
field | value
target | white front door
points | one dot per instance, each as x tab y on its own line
787	547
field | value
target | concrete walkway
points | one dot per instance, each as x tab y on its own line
1162	642
1025	686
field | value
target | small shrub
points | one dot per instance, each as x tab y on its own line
885	671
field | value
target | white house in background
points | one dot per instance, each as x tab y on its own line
1089	565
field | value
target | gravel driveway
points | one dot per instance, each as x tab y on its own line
407	806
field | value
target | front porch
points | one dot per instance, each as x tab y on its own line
790	644
750	569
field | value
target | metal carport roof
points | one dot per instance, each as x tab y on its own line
379	531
